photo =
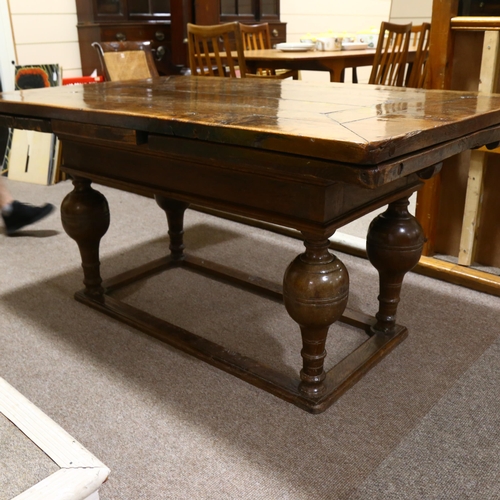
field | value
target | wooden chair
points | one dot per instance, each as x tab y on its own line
391	56
258	37
126	60
211	47
417	70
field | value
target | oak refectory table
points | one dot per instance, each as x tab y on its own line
307	156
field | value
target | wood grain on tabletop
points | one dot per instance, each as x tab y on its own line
360	124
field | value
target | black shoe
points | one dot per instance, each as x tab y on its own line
23	214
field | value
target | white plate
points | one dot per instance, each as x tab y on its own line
354	46
295	47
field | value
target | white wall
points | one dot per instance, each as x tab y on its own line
403	11
316	16
45	33
7	51
340	16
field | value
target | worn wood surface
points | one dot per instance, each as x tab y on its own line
364	125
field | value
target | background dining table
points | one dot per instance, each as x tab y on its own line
335	62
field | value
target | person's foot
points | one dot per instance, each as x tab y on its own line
23	214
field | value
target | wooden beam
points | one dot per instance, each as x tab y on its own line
459	275
438	77
472	208
441	44
487	84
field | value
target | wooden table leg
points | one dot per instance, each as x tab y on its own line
315	292
394	244
175	216
85	218
336	72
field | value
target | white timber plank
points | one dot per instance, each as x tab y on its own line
472	208
66	484
470	223
80	474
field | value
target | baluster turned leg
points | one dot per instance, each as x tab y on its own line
315	292
394	245
175	216
85	218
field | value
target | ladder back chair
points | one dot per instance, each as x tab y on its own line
417	71
258	37
126	60
391	55
216	50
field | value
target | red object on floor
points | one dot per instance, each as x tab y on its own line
82	79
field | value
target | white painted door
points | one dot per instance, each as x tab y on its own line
7	52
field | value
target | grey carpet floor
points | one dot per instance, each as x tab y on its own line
22	463
423	424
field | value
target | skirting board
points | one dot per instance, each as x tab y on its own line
80	474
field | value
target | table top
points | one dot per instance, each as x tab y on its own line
356	124
275	54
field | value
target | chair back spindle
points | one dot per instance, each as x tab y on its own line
417	71
391	55
216	50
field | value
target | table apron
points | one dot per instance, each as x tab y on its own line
302	204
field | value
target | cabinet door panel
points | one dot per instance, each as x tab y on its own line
249	11
269	7
148	7
138	7
111	9
228	7
245	7
159	7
